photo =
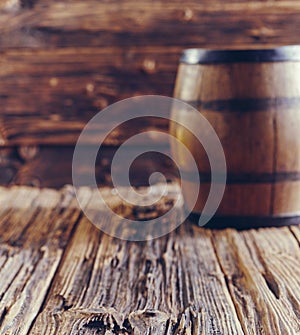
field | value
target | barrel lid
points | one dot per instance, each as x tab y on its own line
205	56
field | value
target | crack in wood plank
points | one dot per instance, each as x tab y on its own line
141	313
295	231
227	281
263	278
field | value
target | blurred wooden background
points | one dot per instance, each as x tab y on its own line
63	61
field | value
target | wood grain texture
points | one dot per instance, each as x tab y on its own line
91	23
264	278
59	274
78	57
32	245
69	86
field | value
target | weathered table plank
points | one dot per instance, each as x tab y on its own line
263	275
33	236
160	287
59	274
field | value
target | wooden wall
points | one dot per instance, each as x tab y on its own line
63	61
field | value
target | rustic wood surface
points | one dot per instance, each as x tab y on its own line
69	86
60	275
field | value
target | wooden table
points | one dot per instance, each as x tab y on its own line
59	274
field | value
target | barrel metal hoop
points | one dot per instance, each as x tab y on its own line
205	56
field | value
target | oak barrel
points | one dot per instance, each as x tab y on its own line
252	100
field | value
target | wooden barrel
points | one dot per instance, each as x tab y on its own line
252	99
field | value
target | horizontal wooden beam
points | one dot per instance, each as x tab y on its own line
49	24
51	166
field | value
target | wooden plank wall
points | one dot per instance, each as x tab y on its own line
63	61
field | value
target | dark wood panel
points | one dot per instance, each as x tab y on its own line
10	163
51	166
63	61
48	96
85	79
93	23
24	130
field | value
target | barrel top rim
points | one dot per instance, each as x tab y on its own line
213	56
